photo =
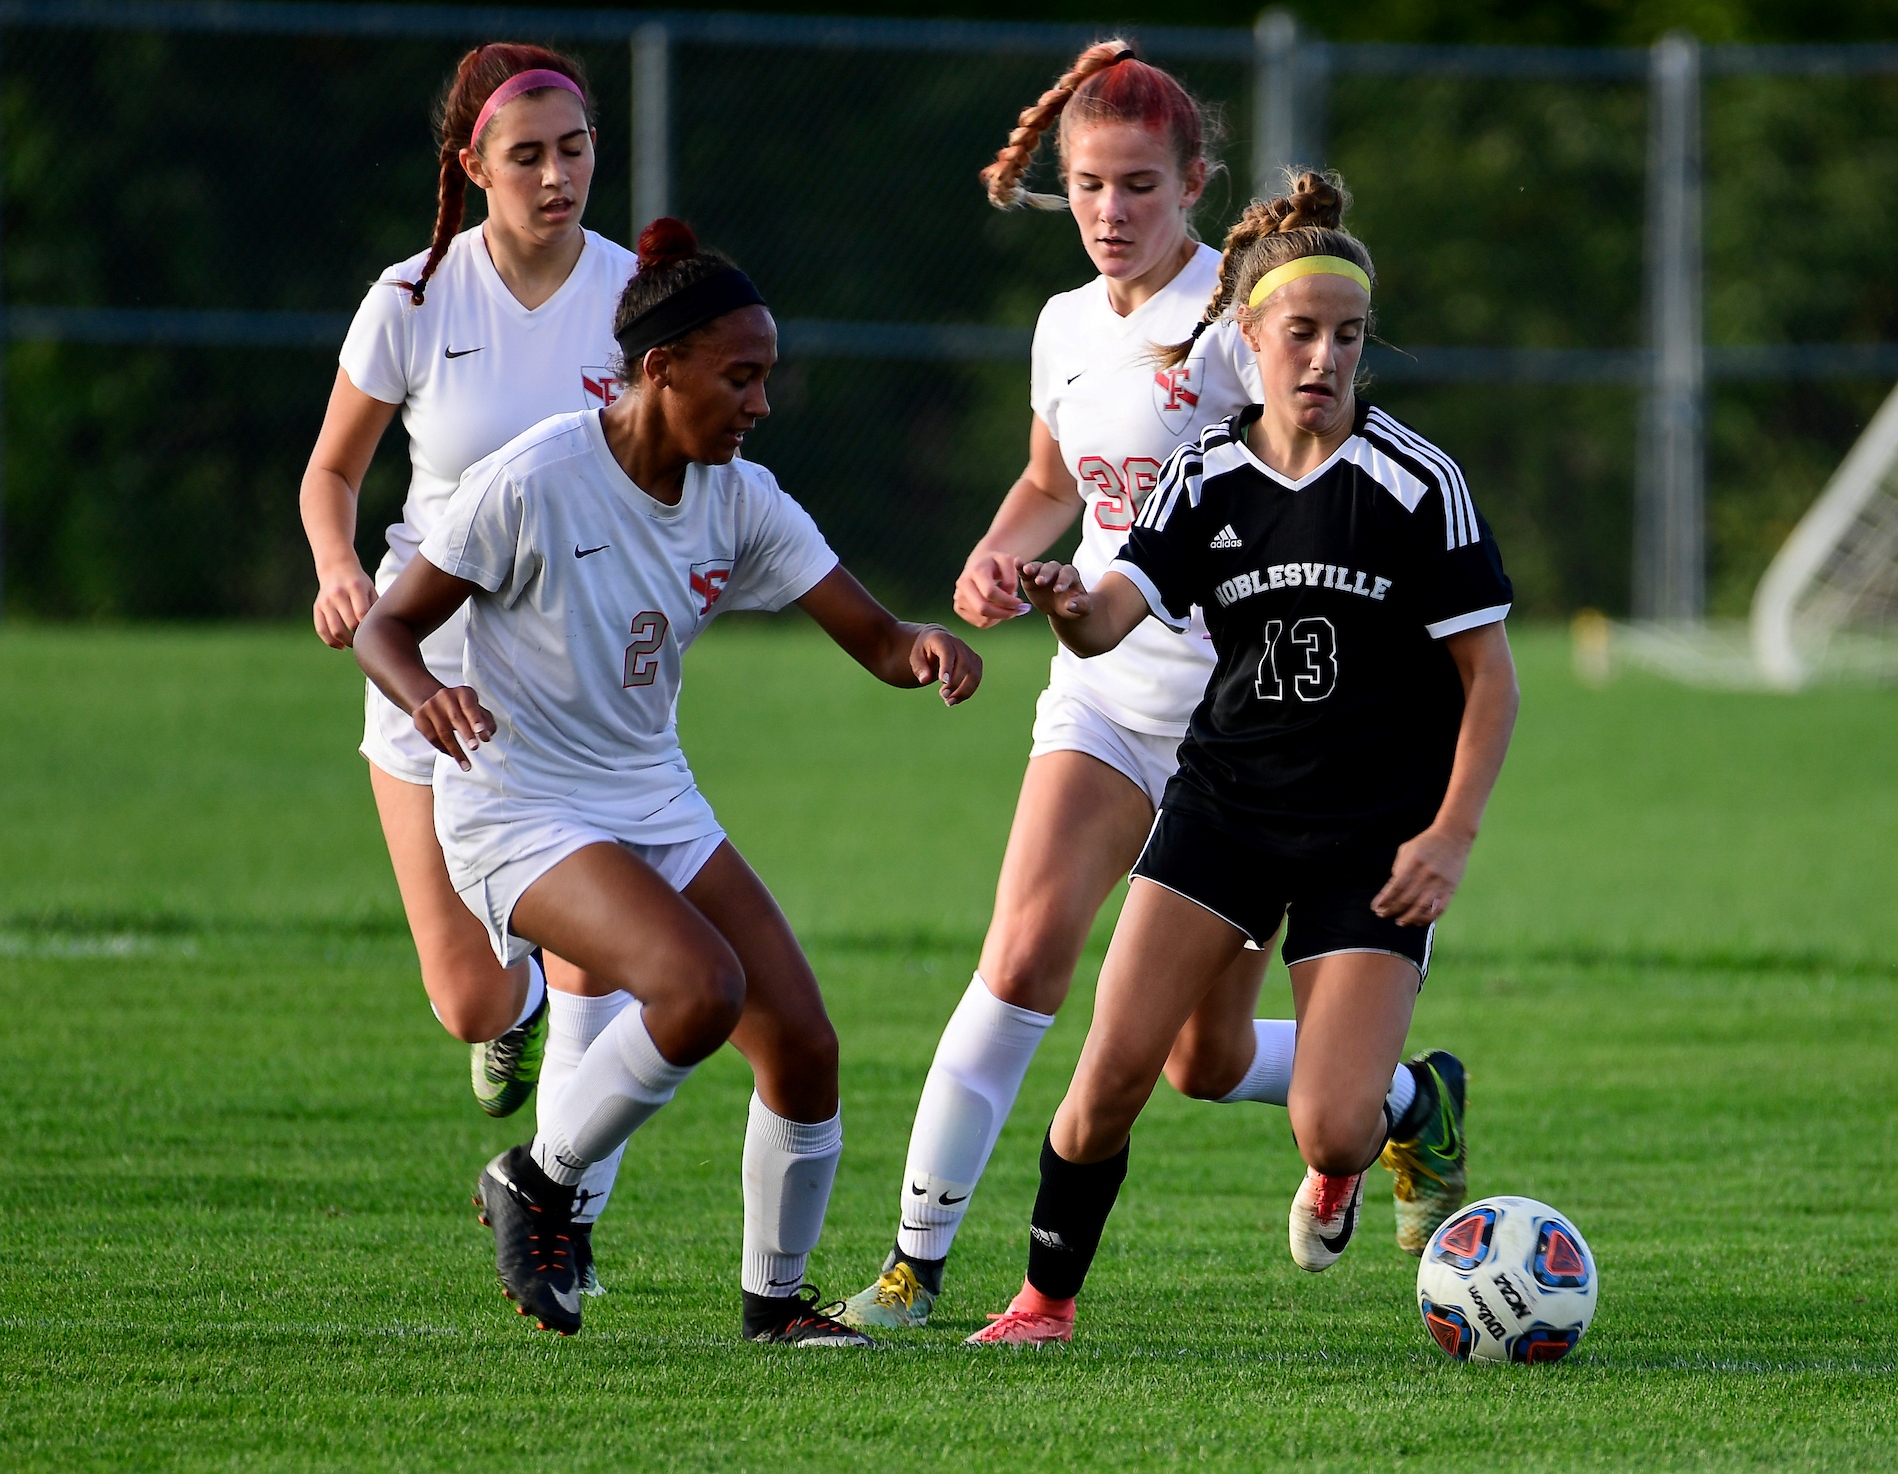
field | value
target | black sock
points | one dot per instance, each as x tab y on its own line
1423	1105
557	1197
768	1312
928	1272
1070	1212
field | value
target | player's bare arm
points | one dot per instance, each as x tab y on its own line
389	649
332	481
1088	622
1429	868
1039	507
895	652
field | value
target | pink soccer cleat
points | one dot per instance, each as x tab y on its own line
1032	1319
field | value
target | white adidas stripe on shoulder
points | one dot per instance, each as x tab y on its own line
1459	511
1388	472
1181	472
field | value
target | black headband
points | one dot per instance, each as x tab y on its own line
690	307
1121	56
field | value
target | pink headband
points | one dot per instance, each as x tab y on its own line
512	88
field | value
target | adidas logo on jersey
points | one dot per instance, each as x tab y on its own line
1226	538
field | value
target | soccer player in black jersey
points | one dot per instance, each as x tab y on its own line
1333	777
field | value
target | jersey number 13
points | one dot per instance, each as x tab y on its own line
1312	661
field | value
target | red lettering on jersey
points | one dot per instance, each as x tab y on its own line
1122	492
598	387
1174	381
708	582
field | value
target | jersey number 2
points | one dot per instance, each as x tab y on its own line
642	656
1317	674
1121	491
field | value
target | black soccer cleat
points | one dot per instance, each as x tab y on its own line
583	1267
532	1219
798	1320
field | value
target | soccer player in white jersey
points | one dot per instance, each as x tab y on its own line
589	553
1105	418
485	334
1333	777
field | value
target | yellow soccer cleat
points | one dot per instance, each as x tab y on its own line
1431	1170
897	1301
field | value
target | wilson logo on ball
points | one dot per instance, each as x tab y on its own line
1559	1264
1464	1243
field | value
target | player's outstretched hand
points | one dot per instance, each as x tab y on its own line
455	711
1055	589
1424	876
985	594
341	603
939	656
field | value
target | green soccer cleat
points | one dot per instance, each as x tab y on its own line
505	1070
897	1301
1431	1173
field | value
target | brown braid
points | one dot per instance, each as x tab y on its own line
1308	220
1003	177
476	76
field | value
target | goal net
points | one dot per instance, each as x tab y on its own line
1827	608
1828	605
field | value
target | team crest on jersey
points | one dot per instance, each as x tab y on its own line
709	580
1176	393
599	388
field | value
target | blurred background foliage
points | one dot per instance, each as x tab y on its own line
286	172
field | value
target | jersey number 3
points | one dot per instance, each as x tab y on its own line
1315	676
642	656
1121	491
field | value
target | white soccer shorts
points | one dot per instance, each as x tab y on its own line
1068	722
541	842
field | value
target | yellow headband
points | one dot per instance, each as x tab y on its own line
1278	276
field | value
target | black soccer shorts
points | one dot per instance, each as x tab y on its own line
1328	902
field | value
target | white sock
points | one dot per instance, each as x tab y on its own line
1403	1092
622	1080
573	1023
536	990
1269	1077
970	1090
789	1168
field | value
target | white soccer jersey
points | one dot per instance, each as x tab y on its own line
472	368
1118	417
593	591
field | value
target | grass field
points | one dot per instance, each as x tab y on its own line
233	1221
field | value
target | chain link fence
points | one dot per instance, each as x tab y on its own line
196	195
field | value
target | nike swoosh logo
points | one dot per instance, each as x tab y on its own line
569	1300
779	1284
949	1202
916	1227
921	1192
461	352
1073	377
1335	1244
580	552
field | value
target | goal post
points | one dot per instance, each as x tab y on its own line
1838	572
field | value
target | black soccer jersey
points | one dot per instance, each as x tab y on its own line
1330	724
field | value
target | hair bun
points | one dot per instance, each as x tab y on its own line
1316	199
666	241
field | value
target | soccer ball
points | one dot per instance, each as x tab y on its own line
1506	1279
